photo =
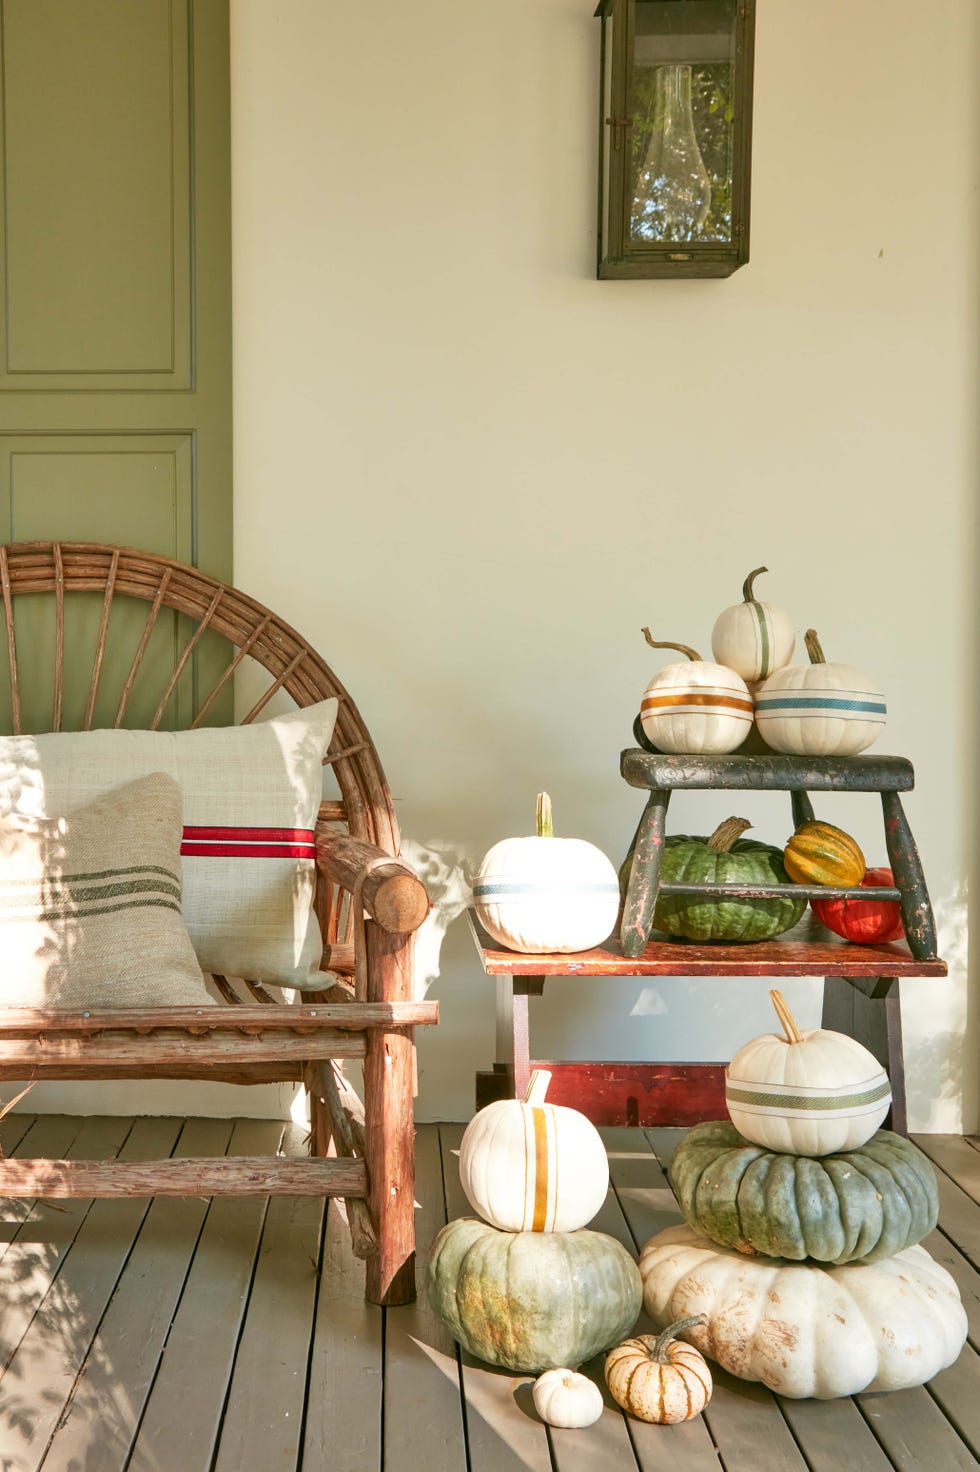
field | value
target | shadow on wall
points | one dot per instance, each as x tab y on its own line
447	871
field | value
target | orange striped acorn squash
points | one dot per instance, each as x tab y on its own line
819	853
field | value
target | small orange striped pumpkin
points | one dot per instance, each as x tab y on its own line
659	1378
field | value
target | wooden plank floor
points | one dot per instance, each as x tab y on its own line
232	1336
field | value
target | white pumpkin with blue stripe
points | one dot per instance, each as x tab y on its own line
807	1092
694	706
753	638
819	709
544	895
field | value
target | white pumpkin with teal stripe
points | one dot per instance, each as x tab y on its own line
806	1092
753	638
529	1166
819	709
695	707
545	895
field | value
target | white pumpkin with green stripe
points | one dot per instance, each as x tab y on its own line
528	1166
545	895
751	637
695	707
806	1092
819	709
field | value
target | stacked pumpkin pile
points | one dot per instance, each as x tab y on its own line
803	1222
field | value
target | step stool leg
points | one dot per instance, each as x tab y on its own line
868	1009
906	866
641	897
802	808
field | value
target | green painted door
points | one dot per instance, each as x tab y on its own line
115	289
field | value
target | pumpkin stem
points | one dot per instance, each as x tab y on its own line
661	644
659	1351
813	647
747	593
543	821
537	1086
726	833
786	1018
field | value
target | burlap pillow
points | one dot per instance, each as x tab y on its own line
90	905
250	795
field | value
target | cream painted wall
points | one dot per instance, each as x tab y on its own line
470	472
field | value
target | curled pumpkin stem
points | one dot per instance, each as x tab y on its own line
726	834
665	644
747	594
659	1351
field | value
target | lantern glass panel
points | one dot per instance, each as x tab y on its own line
681	107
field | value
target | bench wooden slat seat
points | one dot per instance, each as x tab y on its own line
363	1152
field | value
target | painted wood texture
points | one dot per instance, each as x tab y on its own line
233	1334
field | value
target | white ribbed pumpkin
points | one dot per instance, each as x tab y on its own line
819	709
693	706
802	1329
567	1398
528	1166
806	1092
753	638
544	894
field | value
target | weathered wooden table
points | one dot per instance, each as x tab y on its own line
860	982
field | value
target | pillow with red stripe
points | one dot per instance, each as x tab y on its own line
250	800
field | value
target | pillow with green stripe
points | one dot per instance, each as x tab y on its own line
90	905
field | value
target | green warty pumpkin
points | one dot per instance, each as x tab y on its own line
533	1301
724	858
857	1206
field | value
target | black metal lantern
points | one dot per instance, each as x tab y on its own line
675	137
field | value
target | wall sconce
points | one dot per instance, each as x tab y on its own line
675	137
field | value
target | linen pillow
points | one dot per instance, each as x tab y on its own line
250	797
90	905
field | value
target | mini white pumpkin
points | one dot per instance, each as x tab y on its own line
753	638
543	894
819	709
528	1166
693	706
806	1092
659	1378
802	1329
567	1398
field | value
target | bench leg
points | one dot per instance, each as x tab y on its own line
641	897
868	1009
389	1129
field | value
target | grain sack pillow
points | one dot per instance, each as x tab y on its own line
90	905
250	797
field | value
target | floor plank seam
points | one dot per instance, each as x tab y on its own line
423	1287
308	1390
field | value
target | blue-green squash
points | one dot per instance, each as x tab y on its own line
856	1206
533	1301
724	858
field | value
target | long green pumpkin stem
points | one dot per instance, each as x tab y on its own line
662	644
813	647
747	594
659	1351
543	821
726	834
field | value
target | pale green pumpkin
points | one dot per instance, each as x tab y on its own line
532	1301
859	1205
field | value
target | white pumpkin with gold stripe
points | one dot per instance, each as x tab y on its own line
528	1166
695	707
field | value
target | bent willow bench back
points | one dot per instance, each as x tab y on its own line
108	636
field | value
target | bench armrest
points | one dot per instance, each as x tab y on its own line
392	892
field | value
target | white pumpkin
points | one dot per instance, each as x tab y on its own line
809	1092
753	638
543	895
528	1166
802	1329
567	1398
819	709
695	707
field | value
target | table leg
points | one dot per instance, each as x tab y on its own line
641	896
906	866
868	1009
513	1030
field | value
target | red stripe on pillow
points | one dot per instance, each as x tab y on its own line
248	850
245	835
